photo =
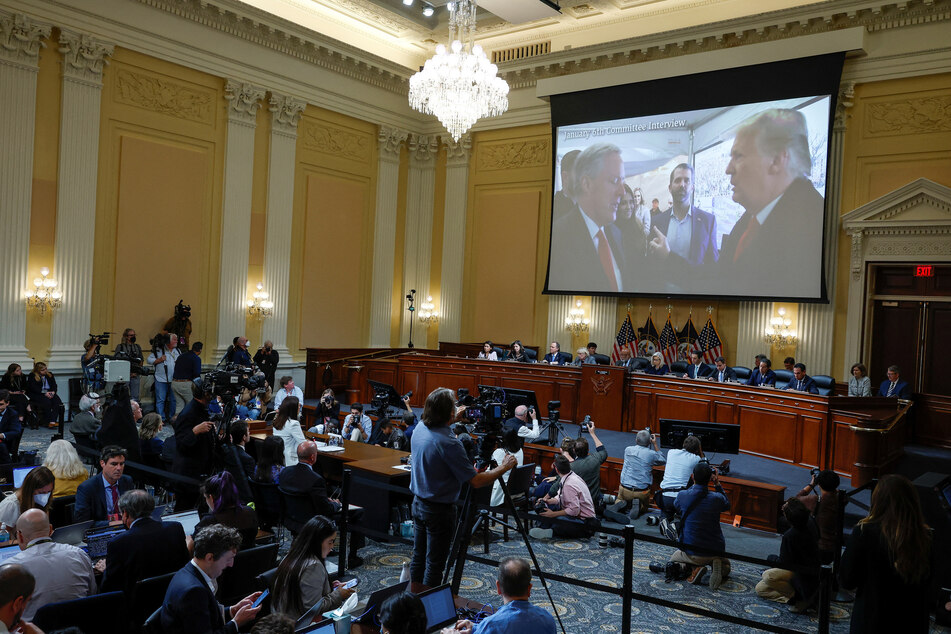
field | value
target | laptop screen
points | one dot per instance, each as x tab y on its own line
327	627
9	551
19	473
440	608
188	520
97	540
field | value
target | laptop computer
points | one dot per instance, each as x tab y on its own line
72	534
158	513
9	551
326	627
97	540
440	608
19	473
188	520
366	611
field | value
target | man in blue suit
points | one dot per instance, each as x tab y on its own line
764	376
10	428
801	381
555	357
97	498
684	235
190	604
723	372
894	386
697	368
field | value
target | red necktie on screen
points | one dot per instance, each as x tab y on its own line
604	253
751	230
115	498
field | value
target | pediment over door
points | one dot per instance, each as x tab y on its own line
910	224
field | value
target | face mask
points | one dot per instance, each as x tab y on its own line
247	345
132	339
41	498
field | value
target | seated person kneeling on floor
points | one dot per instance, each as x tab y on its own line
572	505
799	548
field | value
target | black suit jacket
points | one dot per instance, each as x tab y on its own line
575	264
190	607
10	426
783	243
301	478
902	389
703	236
704	371
559	358
91	498
148	549
729	374
808	385
194	454
34	388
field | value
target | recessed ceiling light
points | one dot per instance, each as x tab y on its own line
427	11
408	3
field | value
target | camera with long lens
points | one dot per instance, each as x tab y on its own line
99	340
135	364
487	411
232	380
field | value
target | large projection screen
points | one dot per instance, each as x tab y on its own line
702	186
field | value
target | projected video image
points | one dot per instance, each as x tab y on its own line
723	201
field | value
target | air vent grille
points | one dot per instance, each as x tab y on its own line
521	52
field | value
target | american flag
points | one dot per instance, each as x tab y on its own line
625	339
668	342
709	342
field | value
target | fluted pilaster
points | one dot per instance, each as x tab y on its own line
753	319
20	41
244	100
384	234
454	236
603	327
558	307
419	224
817	321
285	114
84	59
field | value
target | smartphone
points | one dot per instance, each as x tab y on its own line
260	599
351	584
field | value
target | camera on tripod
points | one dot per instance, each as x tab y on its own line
231	382
487	411
554	411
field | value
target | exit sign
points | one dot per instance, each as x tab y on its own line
924	271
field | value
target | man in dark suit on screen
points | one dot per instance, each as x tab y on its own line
684	236
148	549
769	169
586	249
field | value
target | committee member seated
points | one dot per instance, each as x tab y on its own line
859	383
35	493
517	353
657	366
190	604
625	360
798	549
697	368
302	581
633	494
789	363
147	549
97	498
517	614
582	357
802	382
520	423
700	510
357	426
764	376
573	506
488	353
680	466
554	356
62	572
723	372
894	386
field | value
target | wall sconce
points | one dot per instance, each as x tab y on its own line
778	333
575	322
260	307
45	295
427	312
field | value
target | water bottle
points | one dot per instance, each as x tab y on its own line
404	574
4	535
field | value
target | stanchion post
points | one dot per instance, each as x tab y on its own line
825	594
344	517
628	578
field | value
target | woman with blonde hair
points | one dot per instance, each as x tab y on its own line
69	471
888	561
149	428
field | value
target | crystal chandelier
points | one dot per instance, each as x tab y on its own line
459	86
260	307
778	333
576	323
427	312
44	295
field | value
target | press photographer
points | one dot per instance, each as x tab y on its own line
267	359
524	416
163	357
129	350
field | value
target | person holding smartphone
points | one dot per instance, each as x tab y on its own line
302	581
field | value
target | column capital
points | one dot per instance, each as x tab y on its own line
285	113
423	148
244	99
389	141
84	57
843	104
21	39
458	151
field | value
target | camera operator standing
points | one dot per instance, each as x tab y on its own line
267	359
163	357
133	351
88	363
440	467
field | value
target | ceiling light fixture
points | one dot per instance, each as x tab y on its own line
408	3
428	11
459	86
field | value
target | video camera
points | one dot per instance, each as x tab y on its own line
487	411
99	340
232	380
